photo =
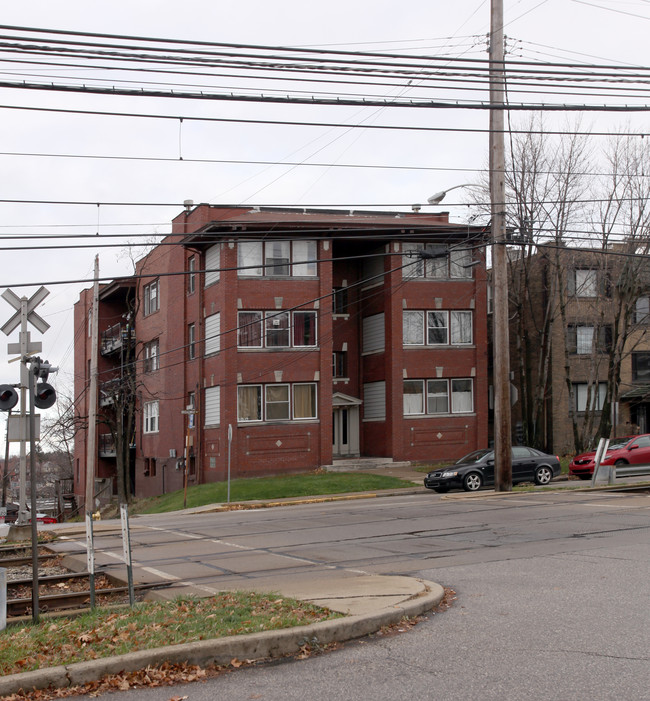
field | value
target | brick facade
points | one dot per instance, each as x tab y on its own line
303	362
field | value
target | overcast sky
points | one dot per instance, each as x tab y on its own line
41	151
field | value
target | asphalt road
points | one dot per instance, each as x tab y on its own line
553	595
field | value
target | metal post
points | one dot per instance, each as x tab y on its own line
3	598
229	447
90	556
126	546
32	485
501	366
23	338
91	446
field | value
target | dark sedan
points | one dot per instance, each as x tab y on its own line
476	470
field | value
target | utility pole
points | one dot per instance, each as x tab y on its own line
91	445
501	339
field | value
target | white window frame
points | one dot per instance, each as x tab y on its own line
273	325
456	395
412	335
260	411
283	403
433	395
435	313
151	295
306	255
191	341
151	417
308	313
413	402
191	275
313	402
249	258
457	328
244	328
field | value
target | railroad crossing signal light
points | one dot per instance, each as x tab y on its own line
44	395
8	397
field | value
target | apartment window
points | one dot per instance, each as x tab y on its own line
151	356
151	299
642	310
453	396
150	415
277	258
249	403
191	275
191	341
304	401
589	396
413	397
641	366
249	330
276	402
304	329
437	328
581	339
460	262
413	328
340	364
437	397
589	282
281	329
212	265
461	328
277	329
436	261
304	255
340	300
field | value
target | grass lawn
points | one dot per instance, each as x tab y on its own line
104	633
304	485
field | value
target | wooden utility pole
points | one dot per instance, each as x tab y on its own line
91	445
501	339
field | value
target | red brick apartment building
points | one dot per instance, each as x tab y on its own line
298	337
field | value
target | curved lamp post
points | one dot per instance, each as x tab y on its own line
500	345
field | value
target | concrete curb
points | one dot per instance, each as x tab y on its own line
221	651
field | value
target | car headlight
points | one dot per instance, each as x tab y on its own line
449	473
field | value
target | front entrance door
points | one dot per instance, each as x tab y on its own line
345	431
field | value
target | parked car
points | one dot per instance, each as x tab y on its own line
476	470
12	515
626	450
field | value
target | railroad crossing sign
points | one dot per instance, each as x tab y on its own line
16	302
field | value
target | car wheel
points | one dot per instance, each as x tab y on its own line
472	482
441	490
543	474
620	461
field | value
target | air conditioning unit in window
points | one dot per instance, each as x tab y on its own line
276	322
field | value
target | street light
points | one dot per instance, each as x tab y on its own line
440	196
500	343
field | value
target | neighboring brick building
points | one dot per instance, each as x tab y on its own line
590	288
305	335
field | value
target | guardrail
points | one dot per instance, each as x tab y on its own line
631	470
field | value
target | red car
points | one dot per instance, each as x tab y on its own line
626	450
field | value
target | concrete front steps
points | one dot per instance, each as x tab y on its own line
364	464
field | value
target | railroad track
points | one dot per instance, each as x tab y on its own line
63	592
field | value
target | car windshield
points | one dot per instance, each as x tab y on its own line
617	443
476	456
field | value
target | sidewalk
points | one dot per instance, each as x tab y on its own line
371	602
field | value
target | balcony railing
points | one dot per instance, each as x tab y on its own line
108	391
116	337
